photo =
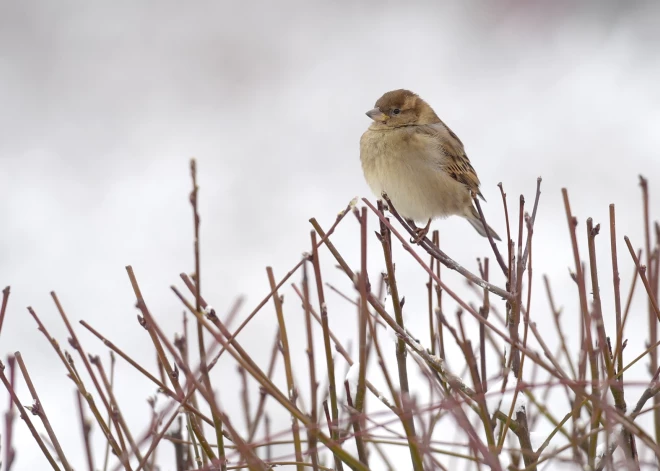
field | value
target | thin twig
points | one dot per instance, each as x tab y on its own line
286	355
26	418
3	307
86	430
496	251
39	410
313	384
431	249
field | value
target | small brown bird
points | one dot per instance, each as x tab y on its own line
412	156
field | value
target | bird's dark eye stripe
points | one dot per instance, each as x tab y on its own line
396	111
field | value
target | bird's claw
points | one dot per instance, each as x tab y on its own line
420	235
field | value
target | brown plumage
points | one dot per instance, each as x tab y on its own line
411	155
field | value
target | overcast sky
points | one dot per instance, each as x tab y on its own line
103	103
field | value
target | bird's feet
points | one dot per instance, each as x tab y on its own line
420	232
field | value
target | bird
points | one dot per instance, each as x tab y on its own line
409	154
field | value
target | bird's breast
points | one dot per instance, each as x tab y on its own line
409	169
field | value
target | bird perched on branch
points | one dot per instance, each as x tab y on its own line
412	156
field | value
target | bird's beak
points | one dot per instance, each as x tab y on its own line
377	115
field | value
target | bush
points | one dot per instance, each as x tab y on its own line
469	418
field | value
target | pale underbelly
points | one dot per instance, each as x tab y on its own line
420	193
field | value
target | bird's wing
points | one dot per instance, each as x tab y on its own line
456	162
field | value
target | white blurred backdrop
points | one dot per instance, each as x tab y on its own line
103	103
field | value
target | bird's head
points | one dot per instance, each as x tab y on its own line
402	108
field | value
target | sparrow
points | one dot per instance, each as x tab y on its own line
412	156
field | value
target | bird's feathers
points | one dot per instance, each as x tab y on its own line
454	161
410	154
478	224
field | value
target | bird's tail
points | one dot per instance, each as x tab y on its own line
474	219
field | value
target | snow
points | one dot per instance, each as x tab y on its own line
352	378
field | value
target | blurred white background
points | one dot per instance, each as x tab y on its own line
103	103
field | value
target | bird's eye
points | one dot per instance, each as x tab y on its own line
396	111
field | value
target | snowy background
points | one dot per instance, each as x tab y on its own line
103	103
